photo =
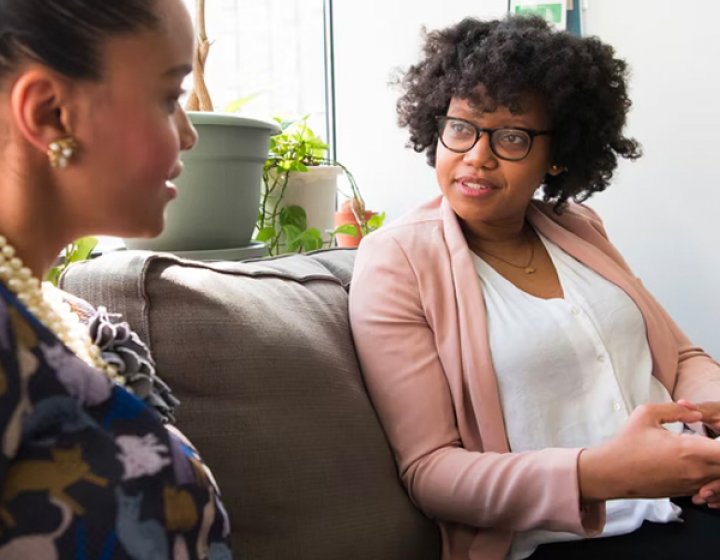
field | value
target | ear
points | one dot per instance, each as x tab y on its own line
555	170
39	106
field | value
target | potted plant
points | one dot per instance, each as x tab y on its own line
299	192
219	190
353	222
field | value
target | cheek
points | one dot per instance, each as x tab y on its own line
445	162
143	148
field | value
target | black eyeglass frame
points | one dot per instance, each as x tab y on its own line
441	121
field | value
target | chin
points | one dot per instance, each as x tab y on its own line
146	230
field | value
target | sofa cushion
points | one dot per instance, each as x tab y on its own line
261	356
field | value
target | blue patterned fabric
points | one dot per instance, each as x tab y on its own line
88	470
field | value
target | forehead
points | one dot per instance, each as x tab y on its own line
530	107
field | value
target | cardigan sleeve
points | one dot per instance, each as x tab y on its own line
406	380
698	375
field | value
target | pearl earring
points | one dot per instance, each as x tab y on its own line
61	151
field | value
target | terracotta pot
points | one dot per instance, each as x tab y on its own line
345	216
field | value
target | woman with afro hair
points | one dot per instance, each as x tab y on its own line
539	402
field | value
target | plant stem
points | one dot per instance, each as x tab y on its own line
199	99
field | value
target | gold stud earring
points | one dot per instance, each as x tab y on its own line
61	151
557	169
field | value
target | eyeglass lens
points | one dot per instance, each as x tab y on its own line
507	143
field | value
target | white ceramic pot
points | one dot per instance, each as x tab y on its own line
316	192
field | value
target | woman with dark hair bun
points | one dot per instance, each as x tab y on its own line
90	137
536	396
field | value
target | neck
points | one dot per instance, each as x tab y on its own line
502	233
30	220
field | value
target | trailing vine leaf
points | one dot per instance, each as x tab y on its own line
285	229
345	229
375	222
266	234
294	216
78	250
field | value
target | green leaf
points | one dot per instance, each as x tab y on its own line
298	166
312	239
293	237
81	249
53	275
293	216
78	250
346	229
376	221
266	234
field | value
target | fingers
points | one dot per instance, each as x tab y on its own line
664	413
687	404
708	495
710	412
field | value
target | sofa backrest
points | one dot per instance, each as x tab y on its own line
261	356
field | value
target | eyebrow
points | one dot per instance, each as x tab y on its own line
178	71
519	120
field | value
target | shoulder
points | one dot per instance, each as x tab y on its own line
576	217
416	229
400	251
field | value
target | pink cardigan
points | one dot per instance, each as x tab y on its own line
418	319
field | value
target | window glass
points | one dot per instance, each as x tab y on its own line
271	50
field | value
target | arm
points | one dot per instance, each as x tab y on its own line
405	376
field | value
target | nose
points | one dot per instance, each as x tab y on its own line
186	131
480	155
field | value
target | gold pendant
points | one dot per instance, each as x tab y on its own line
529	270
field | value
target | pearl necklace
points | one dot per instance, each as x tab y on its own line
45	302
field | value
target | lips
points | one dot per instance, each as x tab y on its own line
476	183
176	171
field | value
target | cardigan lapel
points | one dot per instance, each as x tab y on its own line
474	343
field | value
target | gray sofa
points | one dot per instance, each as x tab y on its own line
261	356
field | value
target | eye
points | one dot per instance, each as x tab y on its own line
459	128
512	139
172	102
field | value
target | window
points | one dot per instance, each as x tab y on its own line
272	50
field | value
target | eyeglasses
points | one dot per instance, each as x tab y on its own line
511	144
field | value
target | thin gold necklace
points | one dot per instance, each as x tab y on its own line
527	268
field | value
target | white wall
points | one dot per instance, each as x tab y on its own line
661	211
372	39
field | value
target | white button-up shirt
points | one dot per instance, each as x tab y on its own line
570	370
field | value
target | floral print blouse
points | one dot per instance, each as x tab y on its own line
87	469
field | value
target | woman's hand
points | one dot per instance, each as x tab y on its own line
709	494
647	461
710	413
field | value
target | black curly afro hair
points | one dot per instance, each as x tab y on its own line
581	83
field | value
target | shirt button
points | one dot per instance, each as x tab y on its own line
601	358
575	311
616	406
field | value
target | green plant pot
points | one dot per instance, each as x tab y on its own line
219	189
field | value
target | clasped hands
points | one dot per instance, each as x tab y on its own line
645	460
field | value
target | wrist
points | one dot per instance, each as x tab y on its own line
593	479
